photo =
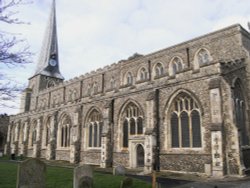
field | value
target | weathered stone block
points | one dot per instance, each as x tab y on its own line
83	177
31	174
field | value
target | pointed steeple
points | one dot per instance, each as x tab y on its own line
48	62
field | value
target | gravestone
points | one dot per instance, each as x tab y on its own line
1	154
31	174
119	170
83	177
126	183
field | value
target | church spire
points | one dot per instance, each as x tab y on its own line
48	62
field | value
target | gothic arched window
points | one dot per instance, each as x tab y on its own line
112	83
203	57
240	111
185	123
143	75
159	70
132	123
65	128
129	78
175	66
95	127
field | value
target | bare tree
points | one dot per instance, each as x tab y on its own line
14	51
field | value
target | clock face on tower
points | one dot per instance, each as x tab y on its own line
52	62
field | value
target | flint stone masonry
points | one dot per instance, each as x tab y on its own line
83	177
205	87
31	174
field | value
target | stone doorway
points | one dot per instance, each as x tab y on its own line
140	156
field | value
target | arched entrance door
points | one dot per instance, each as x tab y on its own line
140	156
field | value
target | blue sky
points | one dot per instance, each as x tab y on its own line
95	33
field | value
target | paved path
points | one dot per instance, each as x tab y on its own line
214	185
177	183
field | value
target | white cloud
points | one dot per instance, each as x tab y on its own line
96	33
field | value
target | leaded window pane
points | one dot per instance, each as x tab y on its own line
139	125
62	136
174	68
132	126
175	130
90	136
185	130
176	106
68	138
100	134
125	134
181	105
179	66
196	129
186	104
95	135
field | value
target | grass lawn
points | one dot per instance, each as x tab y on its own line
59	177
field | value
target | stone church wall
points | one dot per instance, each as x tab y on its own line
95	89
62	155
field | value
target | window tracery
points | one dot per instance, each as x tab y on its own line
132	123
65	132
185	123
159	70
203	57
95	126
143	74
175	66
129	78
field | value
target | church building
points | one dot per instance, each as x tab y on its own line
185	108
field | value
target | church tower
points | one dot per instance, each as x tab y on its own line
47	73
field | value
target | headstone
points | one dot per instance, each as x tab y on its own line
85	182
1	154
83	177
119	170
126	183
31	174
